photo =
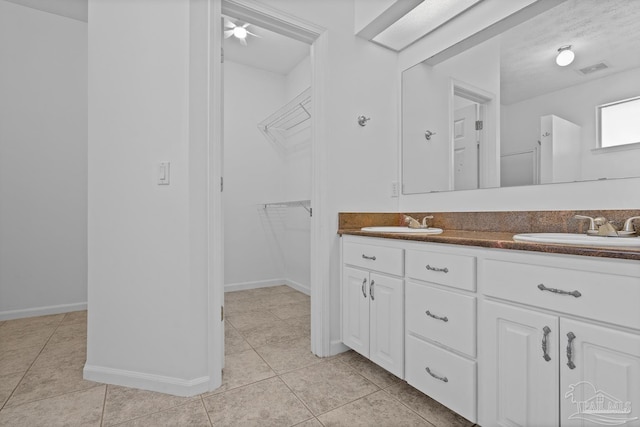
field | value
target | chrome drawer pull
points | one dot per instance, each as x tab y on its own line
545	355
444	270
444	319
559	291
373	282
570	363
364	287
372	258
443	379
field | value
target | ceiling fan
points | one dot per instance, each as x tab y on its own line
238	31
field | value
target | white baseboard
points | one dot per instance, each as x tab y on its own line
140	380
298	286
42	311
243	286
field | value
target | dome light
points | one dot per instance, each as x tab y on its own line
240	32
565	56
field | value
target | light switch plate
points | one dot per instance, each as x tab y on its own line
163	173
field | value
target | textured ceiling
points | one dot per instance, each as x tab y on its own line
599	31
270	51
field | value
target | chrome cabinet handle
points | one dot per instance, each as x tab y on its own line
444	319
372	258
545	354
444	270
570	363
559	291
443	379
373	282
364	287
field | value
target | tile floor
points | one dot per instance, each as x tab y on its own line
270	378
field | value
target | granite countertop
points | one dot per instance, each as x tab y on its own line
502	239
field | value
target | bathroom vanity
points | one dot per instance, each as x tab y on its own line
501	332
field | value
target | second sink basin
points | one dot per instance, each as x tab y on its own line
391	229
579	239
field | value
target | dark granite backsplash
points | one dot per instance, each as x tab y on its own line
504	221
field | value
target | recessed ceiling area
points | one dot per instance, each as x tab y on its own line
420	21
266	50
74	9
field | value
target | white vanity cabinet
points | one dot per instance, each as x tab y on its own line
564	336
373	304
503	337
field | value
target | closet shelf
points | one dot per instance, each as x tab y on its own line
288	120
305	204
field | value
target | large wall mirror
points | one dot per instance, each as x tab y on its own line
504	113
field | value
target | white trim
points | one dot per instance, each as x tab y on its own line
298	286
243	286
144	381
42	311
215	331
321	226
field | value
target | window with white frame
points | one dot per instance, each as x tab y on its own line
619	123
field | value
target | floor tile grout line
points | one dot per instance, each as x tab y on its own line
206	411
191	400
31	365
406	406
104	404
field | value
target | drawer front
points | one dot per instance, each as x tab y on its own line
371	257
443	376
458	271
598	296
442	316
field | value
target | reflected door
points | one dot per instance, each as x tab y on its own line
465	148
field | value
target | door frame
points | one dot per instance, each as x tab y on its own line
307	32
489	154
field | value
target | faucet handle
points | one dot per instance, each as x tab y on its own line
592	222
628	224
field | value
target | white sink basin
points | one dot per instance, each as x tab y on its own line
579	239
391	229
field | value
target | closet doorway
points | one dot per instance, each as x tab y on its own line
267	116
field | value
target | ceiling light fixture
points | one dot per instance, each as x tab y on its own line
238	31
565	56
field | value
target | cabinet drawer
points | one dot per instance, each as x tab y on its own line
458	271
598	296
442	375
442	316
371	257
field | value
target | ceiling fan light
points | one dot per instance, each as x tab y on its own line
240	32
565	56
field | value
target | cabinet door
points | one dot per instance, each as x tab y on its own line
519	384
387	323
355	309
602	385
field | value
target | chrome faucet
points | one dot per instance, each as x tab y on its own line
413	223
628	224
600	226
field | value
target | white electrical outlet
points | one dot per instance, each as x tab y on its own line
395	189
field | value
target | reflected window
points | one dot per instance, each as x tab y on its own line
619	123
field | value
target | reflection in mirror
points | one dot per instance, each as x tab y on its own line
540	121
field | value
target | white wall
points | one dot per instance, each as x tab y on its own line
253	175
273	242
43	162
521	122
148	259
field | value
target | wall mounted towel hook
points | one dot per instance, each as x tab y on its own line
362	120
